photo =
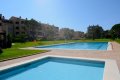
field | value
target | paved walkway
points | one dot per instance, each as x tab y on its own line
114	54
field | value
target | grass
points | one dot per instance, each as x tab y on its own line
15	52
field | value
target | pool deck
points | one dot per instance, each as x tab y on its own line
111	54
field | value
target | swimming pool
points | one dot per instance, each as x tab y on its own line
78	46
56	68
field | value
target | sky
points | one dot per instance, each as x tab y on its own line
73	14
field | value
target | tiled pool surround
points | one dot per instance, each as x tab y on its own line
110	72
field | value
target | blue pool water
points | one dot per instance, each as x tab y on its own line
52	68
79	46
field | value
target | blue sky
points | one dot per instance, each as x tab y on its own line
74	14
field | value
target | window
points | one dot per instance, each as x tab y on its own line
0	17
17	33
17	22
17	27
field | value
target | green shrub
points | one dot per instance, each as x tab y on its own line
1	50
20	38
9	41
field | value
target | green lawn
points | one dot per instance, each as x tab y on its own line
15	52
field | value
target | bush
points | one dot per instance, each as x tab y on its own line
9	41
20	38
1	50
115	31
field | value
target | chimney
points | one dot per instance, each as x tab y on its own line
3	17
26	19
0	16
20	17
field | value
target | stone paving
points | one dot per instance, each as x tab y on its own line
113	54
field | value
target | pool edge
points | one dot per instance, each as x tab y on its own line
111	71
109	47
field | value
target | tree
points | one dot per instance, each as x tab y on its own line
21	38
1	50
49	32
78	35
1	46
106	34
33	28
115	31
66	33
95	32
9	41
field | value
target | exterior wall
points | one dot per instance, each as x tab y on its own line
5	25
16	26
19	27
34	30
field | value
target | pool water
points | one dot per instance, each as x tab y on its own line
56	69
79	46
